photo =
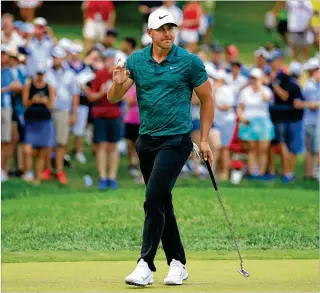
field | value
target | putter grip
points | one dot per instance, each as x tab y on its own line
211	175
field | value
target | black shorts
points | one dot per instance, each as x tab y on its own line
282	27
131	131
106	130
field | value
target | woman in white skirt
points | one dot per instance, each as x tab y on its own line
256	127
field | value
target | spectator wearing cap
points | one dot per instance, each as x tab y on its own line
300	35
107	123
9	36
99	16
177	15
18	28
224	119
311	94
28	8
38	99
26	30
18	123
256	127
39	45
8	86
261	60
285	117
192	14
216	56
235	79
65	110
83	73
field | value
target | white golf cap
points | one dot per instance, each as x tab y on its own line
295	68
220	74
312	63
261	52
65	43
256	73
40	21
75	49
160	17
58	52
41	68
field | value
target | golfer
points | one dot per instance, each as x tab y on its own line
165	76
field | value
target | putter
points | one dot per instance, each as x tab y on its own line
215	186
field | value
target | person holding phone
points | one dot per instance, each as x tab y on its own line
38	99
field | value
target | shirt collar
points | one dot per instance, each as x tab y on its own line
169	58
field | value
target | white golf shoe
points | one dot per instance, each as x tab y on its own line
141	276
177	273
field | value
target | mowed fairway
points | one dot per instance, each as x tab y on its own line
205	276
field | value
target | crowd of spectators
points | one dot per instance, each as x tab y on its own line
54	99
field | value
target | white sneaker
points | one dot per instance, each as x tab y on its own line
80	157
141	276
177	273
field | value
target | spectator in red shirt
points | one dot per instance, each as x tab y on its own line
192	13
99	16
107	123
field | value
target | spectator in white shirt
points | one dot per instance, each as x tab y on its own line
300	35
177	15
224	119
9	36
63	80
40	45
235	80
256	127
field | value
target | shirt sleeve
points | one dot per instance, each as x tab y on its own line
75	87
296	93
242	97
198	72
130	65
268	93
306	91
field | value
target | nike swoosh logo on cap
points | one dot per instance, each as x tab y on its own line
160	17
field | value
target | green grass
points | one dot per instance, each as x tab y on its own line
77	256
263	219
204	276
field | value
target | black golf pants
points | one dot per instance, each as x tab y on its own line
161	161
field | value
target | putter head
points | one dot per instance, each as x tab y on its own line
244	273
196	151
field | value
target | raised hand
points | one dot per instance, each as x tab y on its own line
120	74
